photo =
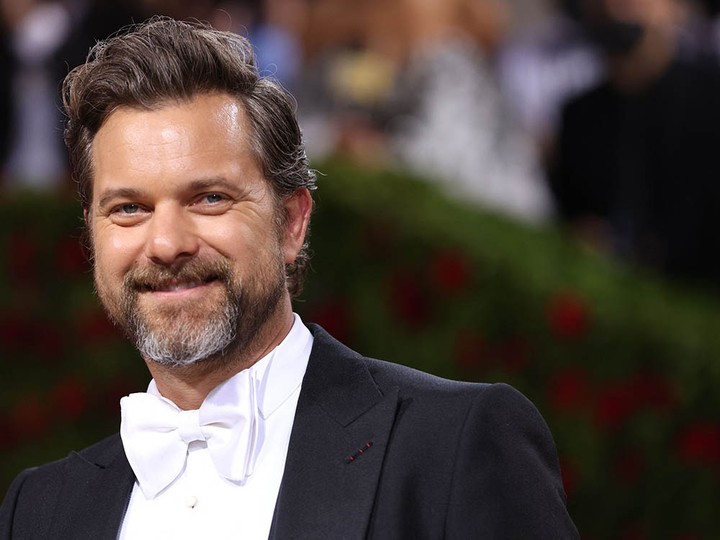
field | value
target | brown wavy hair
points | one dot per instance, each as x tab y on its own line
164	60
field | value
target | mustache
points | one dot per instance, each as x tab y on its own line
151	278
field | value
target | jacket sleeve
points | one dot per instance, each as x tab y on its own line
506	480
9	504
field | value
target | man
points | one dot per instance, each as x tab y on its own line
196	190
635	171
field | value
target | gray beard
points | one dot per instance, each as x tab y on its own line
184	340
185	343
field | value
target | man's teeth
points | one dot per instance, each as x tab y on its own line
172	287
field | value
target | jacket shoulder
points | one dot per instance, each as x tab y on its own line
34	494
465	460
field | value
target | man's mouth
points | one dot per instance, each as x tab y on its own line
175	285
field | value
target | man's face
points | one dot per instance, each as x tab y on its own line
189	250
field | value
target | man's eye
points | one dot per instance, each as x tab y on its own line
128	209
214	198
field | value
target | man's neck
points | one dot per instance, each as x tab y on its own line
188	386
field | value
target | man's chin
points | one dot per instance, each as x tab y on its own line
180	352
182	336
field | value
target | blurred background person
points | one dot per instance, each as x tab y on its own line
343	83
41	40
450	119
635	171
412	84
36	31
274	27
545	62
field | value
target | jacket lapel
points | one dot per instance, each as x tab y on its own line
339	436
95	494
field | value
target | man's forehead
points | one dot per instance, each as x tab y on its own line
176	134
203	122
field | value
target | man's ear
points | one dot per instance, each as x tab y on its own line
298	208
86	217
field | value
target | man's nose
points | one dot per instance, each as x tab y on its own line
171	235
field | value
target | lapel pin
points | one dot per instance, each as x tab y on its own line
360	452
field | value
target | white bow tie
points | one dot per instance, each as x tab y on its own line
156	434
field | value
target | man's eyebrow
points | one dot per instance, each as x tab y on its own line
214	182
118	193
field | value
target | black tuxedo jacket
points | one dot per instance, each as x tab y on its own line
377	451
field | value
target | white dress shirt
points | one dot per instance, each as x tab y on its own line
202	504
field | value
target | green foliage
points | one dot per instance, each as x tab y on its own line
622	365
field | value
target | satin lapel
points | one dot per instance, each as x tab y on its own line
94	497
341	429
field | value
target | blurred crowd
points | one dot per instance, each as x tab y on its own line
601	115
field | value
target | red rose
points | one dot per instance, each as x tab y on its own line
615	404
513	353
407	300
29	417
618	401
451	272
71	260
699	444
568	316
70	397
333	316
94	326
468	350
569	390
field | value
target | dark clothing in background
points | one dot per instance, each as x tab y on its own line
649	166
99	20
